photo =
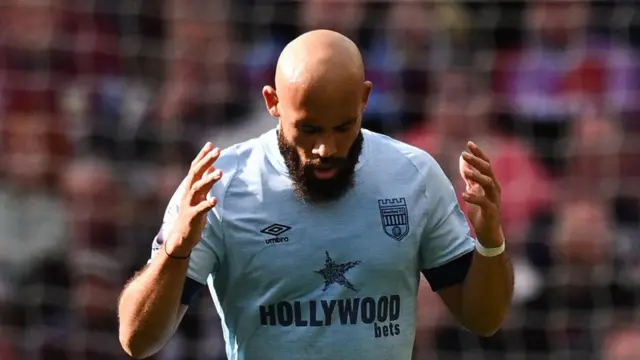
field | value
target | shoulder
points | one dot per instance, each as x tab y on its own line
408	165
394	152
236	157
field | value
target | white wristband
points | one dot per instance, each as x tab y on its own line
489	252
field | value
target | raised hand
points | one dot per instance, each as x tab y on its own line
482	193
194	204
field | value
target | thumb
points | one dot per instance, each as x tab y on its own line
462	165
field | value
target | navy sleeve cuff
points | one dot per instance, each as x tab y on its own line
452	273
190	291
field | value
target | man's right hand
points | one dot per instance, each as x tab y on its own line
194	205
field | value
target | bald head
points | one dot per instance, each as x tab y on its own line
319	99
320	57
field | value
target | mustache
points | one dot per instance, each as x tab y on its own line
328	162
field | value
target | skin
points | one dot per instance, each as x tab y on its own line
321	94
317	69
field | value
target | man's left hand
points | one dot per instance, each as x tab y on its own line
482	193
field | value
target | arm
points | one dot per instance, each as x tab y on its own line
150	308
476	289
482	301
153	303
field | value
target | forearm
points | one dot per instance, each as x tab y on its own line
487	292
149	307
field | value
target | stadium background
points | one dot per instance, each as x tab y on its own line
103	102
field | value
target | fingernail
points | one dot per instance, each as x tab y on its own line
216	151
207	145
216	173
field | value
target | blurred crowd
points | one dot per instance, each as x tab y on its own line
104	102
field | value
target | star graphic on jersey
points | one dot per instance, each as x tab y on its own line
334	273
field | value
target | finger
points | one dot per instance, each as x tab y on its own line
205	149
201	188
487	183
474	175
209	170
475	150
476	199
204	163
478	163
206	205
206	173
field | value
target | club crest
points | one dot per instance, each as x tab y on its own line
395	217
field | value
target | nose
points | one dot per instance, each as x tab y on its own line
325	148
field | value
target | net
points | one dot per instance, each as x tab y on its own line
104	103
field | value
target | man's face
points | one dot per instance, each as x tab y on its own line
320	179
458	107
343	16
320	141
583	233
27	158
412	22
32	25
556	21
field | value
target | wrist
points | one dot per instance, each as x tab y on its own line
175	249
491	244
491	240
490	252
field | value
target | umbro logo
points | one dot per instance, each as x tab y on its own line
276	230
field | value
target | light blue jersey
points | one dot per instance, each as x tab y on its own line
333	281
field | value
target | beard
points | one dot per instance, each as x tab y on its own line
307	186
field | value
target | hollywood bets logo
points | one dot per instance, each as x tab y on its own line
382	312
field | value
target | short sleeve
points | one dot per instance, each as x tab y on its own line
446	244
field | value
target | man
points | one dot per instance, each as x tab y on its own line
313	241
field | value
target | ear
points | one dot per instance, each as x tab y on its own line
271	101
368	86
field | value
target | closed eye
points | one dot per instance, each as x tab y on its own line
312	129
344	127
309	129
